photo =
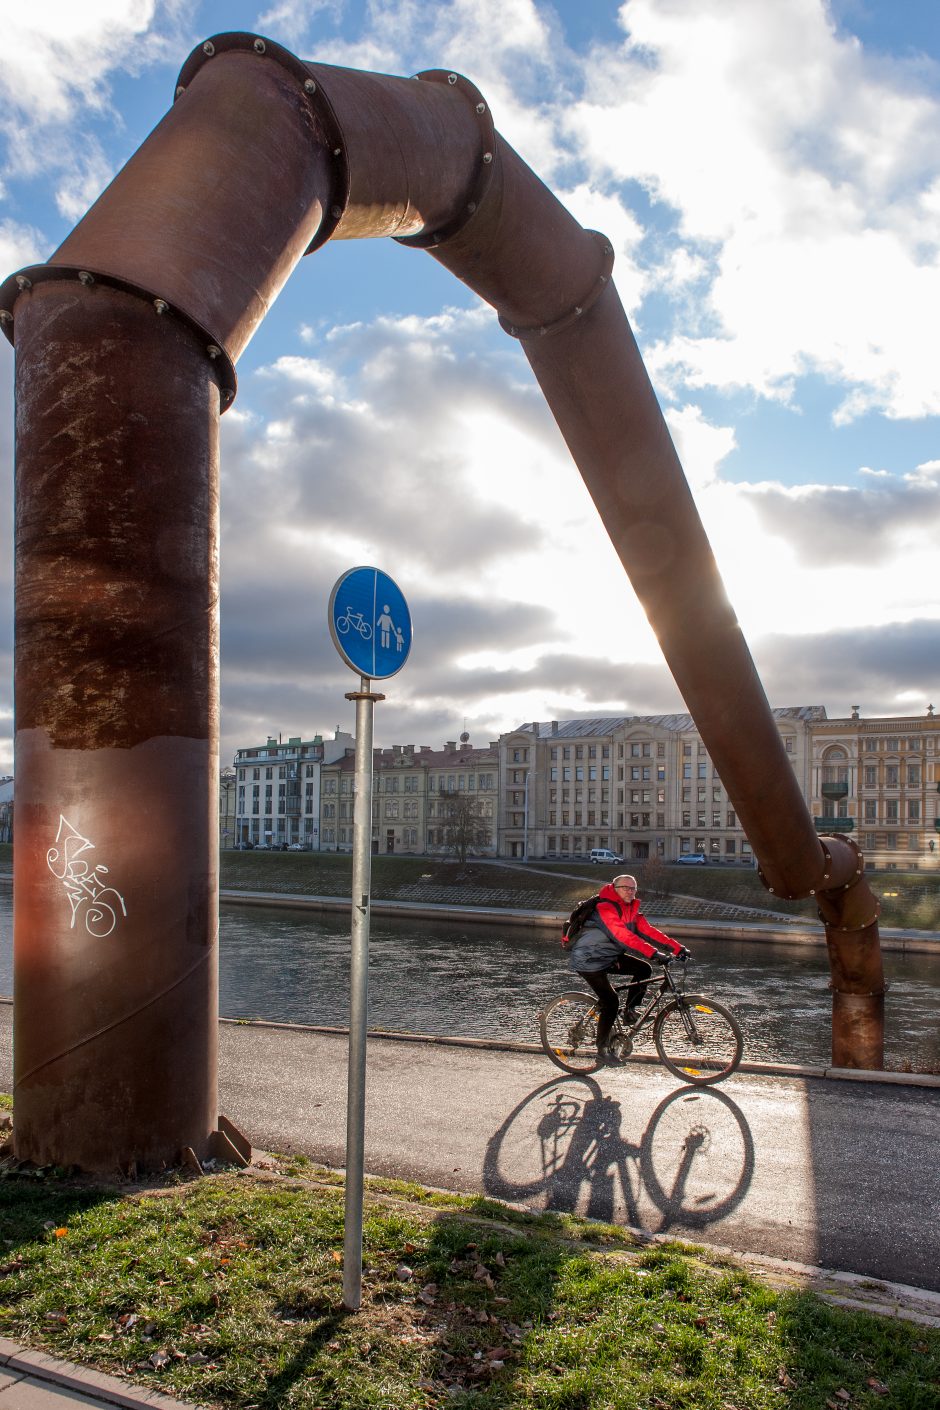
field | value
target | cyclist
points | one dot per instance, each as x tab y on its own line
618	939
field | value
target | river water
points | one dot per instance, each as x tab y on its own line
482	981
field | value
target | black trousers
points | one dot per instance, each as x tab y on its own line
597	980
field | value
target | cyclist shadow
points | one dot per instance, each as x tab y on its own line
564	1148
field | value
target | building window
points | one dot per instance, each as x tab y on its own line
871	776
789	743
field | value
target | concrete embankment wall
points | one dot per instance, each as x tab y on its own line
797	933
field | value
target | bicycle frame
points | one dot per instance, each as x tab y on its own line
663	984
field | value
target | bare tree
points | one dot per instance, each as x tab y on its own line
466	828
655	880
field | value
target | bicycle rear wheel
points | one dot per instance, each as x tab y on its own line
698	1039
568	1028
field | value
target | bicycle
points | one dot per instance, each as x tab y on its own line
697	1038
357	621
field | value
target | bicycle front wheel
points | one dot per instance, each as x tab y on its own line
568	1028
698	1039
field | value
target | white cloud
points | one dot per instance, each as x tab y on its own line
59	53
802	172
19	245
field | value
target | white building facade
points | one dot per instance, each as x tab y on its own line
279	790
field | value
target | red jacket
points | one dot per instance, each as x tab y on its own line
625	924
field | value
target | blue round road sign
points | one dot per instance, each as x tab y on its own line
370	623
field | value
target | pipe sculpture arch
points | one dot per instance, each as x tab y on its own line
126	346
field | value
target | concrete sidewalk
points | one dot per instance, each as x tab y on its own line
31	1380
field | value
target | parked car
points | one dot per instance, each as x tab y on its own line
296	847
692	859
602	856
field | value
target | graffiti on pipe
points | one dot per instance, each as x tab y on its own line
84	887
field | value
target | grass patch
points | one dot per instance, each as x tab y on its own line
227	1289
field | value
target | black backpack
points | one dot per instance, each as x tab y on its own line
577	920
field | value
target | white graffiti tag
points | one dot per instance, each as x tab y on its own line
84	887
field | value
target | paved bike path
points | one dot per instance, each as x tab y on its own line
840	1174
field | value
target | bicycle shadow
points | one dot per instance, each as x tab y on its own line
564	1148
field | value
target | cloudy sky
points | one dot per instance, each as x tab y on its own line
769	174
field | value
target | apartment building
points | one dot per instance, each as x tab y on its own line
644	786
413	789
279	789
878	779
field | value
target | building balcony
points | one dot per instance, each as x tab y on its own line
829	825
834	790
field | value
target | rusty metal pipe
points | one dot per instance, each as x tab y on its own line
125	343
144	309
115	986
577	339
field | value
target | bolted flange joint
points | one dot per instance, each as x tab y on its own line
19	284
430	239
316	100
587	301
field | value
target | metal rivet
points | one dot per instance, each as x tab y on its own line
603	279
481	107
812	891
208	48
771	890
487	157
259	46
85	278
336	212
23	283
472	207
5	316
214	351
310	86
337	151
161	305
512	331
180	90
578	310
451	78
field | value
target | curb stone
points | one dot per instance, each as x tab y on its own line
757	1069
39	1366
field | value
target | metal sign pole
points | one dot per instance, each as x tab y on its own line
358	995
371	629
